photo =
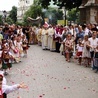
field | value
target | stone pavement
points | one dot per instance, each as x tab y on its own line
48	75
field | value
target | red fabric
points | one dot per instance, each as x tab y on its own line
58	30
46	25
61	30
79	54
1	75
1	94
15	51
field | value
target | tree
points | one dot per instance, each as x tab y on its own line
9	20
73	15
19	23
1	22
68	4
13	14
53	15
34	11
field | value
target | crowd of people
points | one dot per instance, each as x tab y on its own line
13	46
77	41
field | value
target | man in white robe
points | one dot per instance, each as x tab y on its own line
51	42
39	36
45	37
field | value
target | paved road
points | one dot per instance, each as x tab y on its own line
48	75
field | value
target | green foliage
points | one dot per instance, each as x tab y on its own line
34	11
53	15
73	15
13	14
37	10
1	22
25	21
19	23
9	20
69	4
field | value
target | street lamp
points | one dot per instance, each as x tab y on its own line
4	16
64	15
50	18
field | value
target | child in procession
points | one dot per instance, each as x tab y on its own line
79	50
86	51
68	47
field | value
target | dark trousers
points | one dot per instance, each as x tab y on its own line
4	95
95	64
58	46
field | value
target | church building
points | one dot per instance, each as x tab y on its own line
23	6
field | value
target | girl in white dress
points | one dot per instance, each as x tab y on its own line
86	51
15	52
19	46
79	50
24	45
68	45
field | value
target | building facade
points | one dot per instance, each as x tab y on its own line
89	11
23	6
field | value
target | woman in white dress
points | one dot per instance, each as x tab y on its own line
15	52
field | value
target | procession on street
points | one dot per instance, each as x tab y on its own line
75	42
49	49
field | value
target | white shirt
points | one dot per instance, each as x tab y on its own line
56	34
72	31
8	89
79	48
4	81
93	43
0	53
64	40
5	88
86	31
